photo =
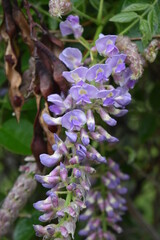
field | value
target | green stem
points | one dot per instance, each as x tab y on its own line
98	31
68	199
84	15
100	11
84	43
137	20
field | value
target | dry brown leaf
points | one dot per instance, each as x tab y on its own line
12	74
22	24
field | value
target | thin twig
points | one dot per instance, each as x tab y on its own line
140	38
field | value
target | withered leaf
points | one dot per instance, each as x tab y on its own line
22	24
12	74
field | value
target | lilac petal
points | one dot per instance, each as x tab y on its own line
77	75
50	120
64	232
83	93
117	61
40	206
72	136
74	120
77	173
123	97
117	112
106	118
107	136
97	136
63	172
71	25
90	121
106	45
58	106
65	29
40	230
80	151
98	156
84	137
71	57
50	160
99	73
46	217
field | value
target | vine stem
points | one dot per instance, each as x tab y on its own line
84	15
100	11
137	20
84	43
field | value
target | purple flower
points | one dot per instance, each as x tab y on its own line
72	136
118	97
84	137
106	45
71	57
117	63
106	135
90	121
50	160
63	172
50	120
75	76
71	25
80	151
99	73
74	120
83	93
59	106
106	118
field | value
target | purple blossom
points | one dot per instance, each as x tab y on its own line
99	73
106	117
72	136
117	63
71	25
84	137
90	121
50	160
71	57
106	45
83	93
50	120
59	106
81	151
119	97
75	76
74	120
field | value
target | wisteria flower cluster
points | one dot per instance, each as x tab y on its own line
93	92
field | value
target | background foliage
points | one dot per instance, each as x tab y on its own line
139	132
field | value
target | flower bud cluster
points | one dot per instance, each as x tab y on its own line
134	59
58	8
150	53
105	205
93	91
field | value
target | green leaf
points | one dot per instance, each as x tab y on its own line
153	21
24	228
147	127
136	7
124	17
16	137
2	76
145	30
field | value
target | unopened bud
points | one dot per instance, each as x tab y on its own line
58	8
150	53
